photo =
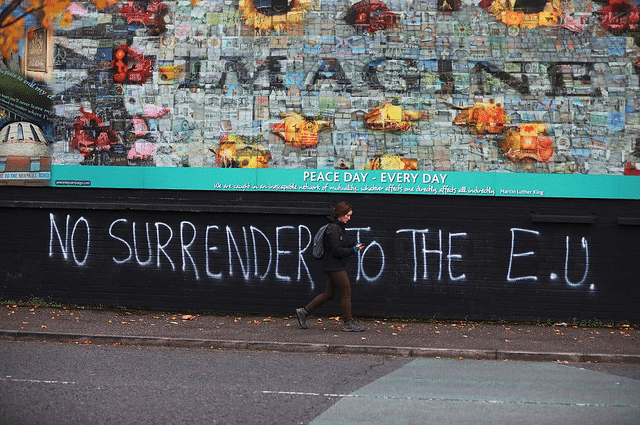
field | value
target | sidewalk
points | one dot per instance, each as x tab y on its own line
446	339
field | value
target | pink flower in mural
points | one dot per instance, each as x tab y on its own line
141	150
154	111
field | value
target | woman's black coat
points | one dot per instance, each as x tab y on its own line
338	247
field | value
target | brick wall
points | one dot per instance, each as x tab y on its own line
428	256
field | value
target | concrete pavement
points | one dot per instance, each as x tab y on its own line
448	391
410	338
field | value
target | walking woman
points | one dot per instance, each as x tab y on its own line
338	248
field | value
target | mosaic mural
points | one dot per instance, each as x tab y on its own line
497	85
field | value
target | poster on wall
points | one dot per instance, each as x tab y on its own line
505	98
26	131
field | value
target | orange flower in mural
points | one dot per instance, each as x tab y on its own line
483	118
548	18
525	14
392	162
273	14
238	152
529	130
528	142
389	117
299	130
512	18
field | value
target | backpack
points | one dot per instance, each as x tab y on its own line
318	243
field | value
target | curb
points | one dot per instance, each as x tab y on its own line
319	348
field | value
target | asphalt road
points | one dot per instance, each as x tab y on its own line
43	383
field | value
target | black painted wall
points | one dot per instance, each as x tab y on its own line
248	252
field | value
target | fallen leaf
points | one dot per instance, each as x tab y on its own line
187	317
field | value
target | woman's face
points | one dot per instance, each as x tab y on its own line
345	218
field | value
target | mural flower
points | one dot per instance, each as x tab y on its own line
149	13
130	66
370	16
483	118
525	13
527	143
273	14
141	150
90	134
389	117
620	16
392	162
631	170
238	152
299	130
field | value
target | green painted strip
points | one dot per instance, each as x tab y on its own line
351	181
